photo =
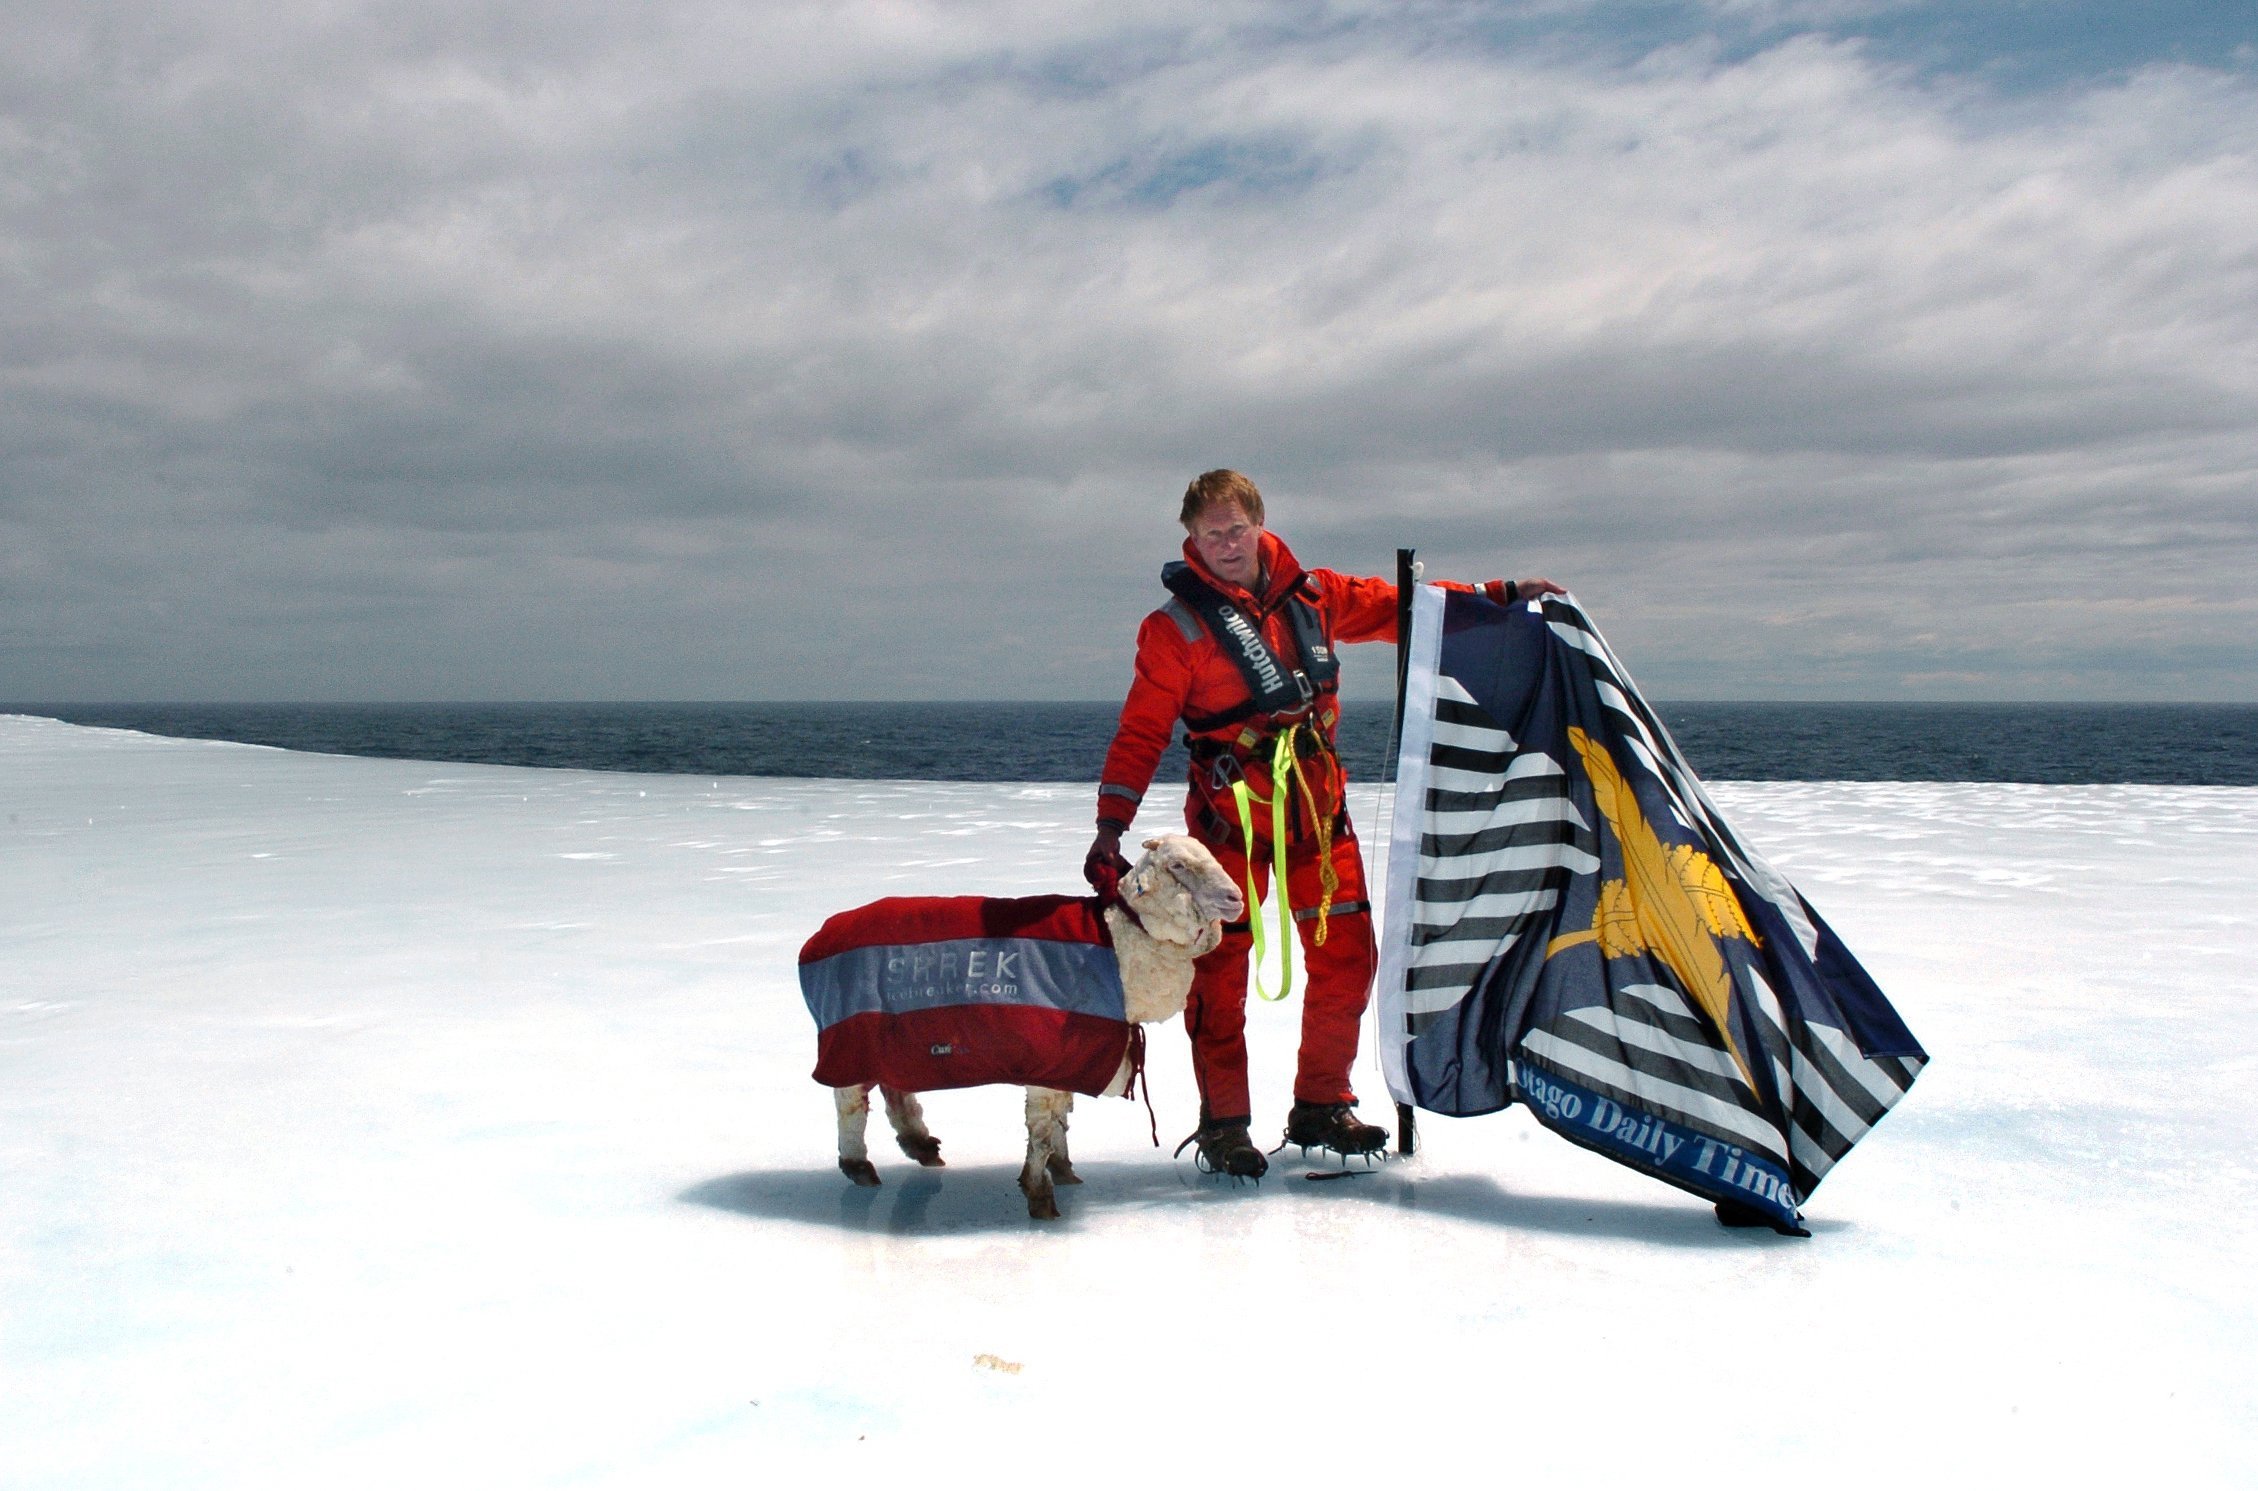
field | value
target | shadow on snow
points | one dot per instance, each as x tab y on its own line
985	1198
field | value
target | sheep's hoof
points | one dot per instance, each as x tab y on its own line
1062	1172
923	1148
1042	1204
861	1172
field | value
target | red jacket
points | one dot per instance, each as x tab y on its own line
1181	672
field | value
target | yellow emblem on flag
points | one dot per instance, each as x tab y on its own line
1672	901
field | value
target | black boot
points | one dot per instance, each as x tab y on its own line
1226	1149
1333	1126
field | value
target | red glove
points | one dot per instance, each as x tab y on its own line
1506	592
1103	867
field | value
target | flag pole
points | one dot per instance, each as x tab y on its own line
1407	1129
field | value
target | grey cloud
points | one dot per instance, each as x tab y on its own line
494	352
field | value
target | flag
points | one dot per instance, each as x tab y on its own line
1572	924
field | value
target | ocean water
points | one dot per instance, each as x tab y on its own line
2179	744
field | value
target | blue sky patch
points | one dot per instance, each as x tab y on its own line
1240	168
2018	45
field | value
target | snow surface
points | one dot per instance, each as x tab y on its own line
376	1123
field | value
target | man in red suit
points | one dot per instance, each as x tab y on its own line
1243	655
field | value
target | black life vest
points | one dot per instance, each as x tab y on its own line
1275	686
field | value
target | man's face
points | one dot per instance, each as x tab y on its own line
1229	543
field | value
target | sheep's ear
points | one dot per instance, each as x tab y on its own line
1152	843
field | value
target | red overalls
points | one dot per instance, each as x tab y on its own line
1183	675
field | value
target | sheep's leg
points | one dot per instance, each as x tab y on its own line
853	1104
1046	1148
908	1118
1060	1166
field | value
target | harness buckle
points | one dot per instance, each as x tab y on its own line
1224	770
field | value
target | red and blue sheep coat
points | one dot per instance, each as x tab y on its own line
925	992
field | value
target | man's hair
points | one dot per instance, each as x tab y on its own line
1213	487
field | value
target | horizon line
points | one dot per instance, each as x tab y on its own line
31	705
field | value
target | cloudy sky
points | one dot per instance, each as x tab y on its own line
1827	348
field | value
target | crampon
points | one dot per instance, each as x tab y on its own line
1226	1149
1334	1126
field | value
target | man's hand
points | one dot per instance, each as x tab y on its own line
1507	591
1103	867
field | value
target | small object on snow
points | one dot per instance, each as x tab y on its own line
995	1363
1337	1174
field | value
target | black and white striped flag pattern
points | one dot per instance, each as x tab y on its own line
1572	924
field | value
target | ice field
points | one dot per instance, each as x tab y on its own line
382	1124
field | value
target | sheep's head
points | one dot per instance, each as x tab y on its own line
1181	894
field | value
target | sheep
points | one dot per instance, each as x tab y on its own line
1172	907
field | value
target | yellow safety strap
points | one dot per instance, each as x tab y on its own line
1276	802
1285	765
